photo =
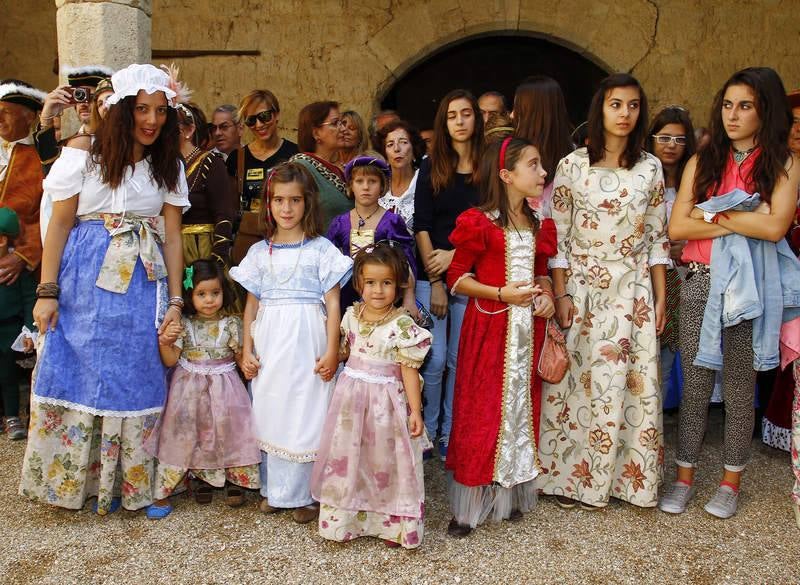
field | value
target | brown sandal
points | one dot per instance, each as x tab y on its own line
267	509
234	496
203	493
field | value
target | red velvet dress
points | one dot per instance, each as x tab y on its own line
483	447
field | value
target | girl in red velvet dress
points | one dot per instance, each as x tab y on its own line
501	263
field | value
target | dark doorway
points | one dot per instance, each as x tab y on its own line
497	63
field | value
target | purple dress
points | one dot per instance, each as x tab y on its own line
349	241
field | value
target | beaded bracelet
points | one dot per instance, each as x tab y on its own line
47	290
562	296
176	302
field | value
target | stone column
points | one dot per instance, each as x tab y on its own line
114	33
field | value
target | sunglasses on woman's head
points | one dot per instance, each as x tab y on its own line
264	117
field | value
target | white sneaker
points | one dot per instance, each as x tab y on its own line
724	503
676	498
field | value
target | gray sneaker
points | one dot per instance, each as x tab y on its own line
676	498
15	428
724	503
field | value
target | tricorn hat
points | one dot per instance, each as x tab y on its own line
86	76
794	98
18	92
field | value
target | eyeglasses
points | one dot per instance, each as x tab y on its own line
666	139
264	117
337	123
225	126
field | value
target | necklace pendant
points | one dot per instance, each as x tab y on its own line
361	222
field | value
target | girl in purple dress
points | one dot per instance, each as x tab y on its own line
367	179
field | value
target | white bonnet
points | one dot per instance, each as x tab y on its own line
136	77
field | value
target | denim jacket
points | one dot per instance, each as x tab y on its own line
745	285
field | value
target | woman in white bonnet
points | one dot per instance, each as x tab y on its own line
111	281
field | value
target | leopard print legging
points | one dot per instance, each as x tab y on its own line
738	381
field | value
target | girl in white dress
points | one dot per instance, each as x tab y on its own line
291	336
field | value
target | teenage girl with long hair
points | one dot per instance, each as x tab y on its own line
446	187
749	151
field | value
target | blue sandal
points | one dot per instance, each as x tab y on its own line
156	512
115	504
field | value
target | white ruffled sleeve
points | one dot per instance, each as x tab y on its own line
334	267
65	179
412	342
179	197
346	330
249	271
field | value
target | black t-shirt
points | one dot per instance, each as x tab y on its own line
436	214
256	172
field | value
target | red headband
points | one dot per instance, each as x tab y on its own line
267	195
503	149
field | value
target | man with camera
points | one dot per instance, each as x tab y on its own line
82	89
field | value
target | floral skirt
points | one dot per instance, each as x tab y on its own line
73	455
343	525
207	422
367	460
368	476
170	479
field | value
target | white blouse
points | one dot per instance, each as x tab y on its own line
402	205
72	174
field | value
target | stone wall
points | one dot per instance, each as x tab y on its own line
353	50
28	50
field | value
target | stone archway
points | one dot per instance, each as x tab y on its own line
497	63
613	37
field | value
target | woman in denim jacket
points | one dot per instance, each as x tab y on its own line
748	150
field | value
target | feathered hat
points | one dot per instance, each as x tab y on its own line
18	92
86	76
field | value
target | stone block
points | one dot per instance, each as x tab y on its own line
145	6
105	33
102	33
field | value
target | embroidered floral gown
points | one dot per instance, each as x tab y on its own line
368	475
492	452
601	429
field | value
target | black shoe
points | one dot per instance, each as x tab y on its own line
457	530
515	516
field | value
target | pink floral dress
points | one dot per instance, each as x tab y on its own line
206	427
368	474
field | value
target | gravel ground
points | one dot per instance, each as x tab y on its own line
216	544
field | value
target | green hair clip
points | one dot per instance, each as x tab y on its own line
189	273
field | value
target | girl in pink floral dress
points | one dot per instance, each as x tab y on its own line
368	474
207	427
